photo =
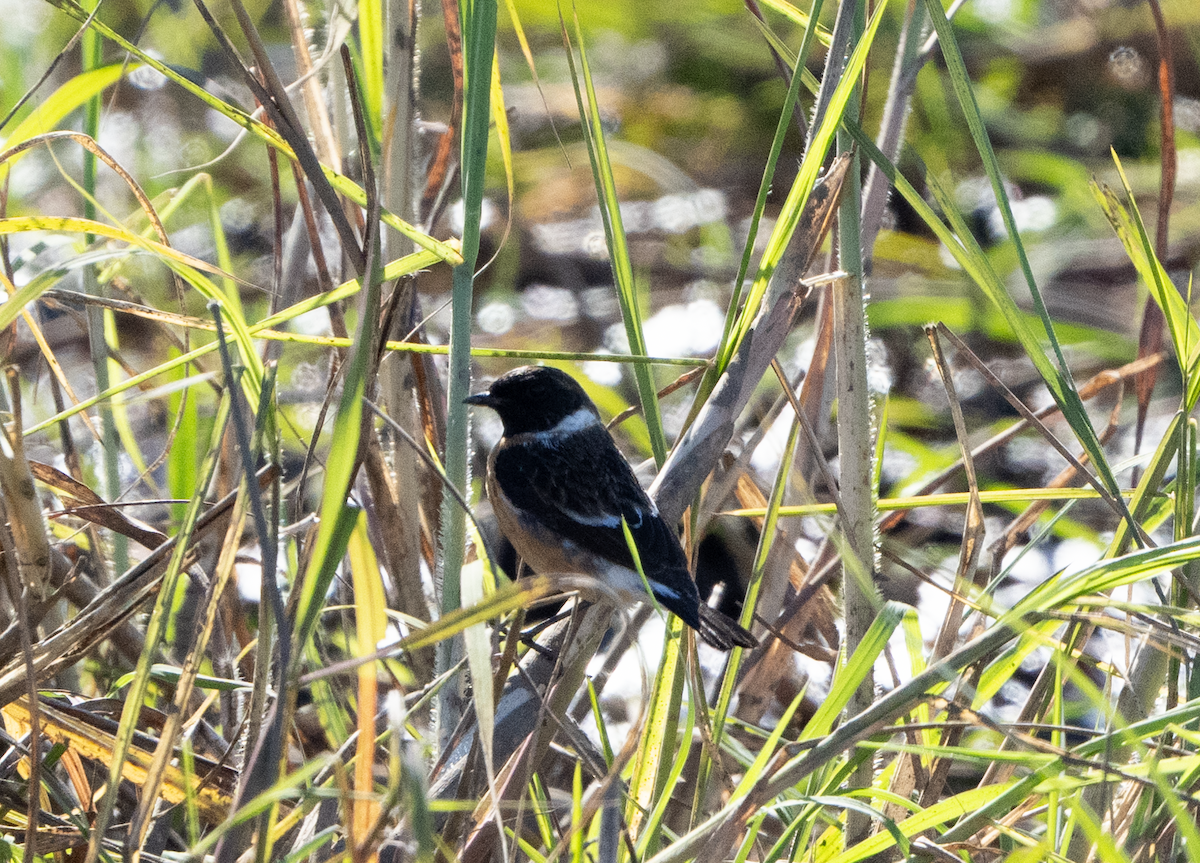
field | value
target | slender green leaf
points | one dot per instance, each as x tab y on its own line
618	248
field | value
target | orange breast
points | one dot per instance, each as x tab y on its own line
540	548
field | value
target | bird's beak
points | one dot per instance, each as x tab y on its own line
482	399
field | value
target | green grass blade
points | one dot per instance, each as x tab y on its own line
789	216
370	56
756	770
614	235
961	82
657	748
336	523
1060	591
1131	230
67	98
855	669
478	22
651	835
942	812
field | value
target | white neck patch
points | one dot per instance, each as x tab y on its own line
577	421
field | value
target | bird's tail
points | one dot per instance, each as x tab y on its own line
721	632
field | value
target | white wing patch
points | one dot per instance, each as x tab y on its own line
605	519
662	591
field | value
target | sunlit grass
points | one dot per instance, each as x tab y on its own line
1047	716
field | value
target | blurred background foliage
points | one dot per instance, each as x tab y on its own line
691	98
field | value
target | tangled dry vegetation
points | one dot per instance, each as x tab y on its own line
253	607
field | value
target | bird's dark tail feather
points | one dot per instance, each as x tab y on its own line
721	632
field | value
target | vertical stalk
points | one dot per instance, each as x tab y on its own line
908	62
397	487
856	452
92	48
478	19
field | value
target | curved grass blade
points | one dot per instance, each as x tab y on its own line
614	235
67	98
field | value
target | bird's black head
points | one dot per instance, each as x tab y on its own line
533	399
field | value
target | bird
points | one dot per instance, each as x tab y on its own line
560	489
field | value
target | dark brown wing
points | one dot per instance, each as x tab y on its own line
581	488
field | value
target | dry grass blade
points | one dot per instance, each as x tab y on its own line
22	506
973	527
442	167
1093	387
803	627
1150	338
314	100
721	832
1067	477
26	565
635	409
399	546
1029	416
61	380
100	153
565	648
111	607
88	505
272	95
808	628
968	574
93	738
816	393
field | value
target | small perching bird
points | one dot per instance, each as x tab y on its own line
560	488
